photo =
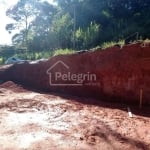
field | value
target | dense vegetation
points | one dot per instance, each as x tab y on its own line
76	24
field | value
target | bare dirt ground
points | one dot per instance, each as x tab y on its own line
31	120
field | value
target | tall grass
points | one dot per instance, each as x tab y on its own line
63	52
111	44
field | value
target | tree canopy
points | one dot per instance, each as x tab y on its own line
76	24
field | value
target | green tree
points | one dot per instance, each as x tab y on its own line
22	14
40	27
77	23
62	30
87	38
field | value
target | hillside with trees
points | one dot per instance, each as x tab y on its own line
76	24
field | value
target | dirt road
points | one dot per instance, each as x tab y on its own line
32	120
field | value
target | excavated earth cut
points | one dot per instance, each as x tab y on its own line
117	74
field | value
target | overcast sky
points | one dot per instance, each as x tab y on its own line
5	37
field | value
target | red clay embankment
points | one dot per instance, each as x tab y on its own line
120	74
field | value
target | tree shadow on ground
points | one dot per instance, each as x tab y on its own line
107	103
104	132
103	102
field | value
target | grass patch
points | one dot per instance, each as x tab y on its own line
112	43
63	52
106	45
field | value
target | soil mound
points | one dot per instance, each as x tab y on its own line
12	86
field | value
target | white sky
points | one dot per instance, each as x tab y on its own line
5	37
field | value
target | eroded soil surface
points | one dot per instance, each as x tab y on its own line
31	120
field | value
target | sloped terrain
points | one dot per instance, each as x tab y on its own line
31	120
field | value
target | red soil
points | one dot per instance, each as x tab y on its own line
120	74
38	121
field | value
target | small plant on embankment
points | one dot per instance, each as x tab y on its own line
111	44
63	52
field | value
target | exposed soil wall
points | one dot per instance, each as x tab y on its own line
120	73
